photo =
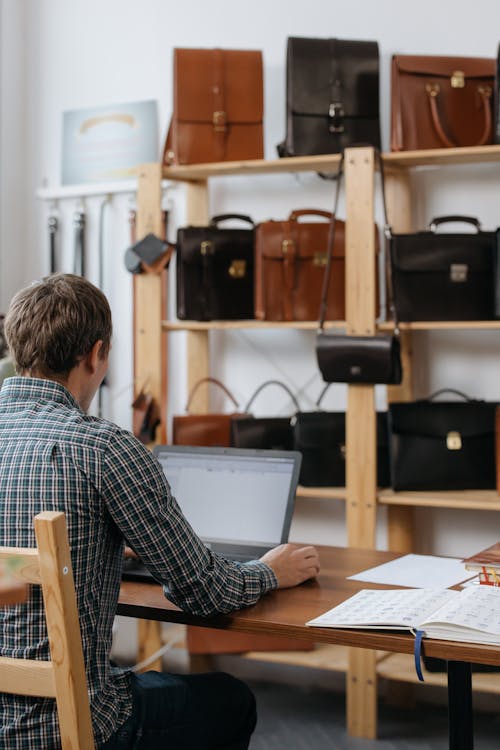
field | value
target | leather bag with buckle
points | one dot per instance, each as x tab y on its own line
442	445
445	276
215	271
332	95
272	433
356	359
441	102
290	258
320	437
203	429
218	107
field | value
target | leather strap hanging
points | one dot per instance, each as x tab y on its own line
79	243
53	225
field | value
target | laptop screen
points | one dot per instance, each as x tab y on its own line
233	495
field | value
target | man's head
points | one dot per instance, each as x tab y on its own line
54	324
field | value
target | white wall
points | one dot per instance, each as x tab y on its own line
59	55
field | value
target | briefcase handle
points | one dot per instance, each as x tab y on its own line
448	390
272	382
215	220
295	215
215	382
434	223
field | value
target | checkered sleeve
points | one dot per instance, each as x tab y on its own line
138	497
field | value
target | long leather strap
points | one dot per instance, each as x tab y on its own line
79	243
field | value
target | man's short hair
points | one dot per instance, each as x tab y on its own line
53	323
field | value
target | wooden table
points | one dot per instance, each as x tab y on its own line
285	612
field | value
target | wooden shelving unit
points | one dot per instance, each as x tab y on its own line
360	494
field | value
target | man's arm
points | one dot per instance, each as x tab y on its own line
139	500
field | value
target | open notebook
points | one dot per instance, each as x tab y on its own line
471	615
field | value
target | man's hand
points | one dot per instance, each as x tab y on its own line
292	564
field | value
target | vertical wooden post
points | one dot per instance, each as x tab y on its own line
149	346
361	479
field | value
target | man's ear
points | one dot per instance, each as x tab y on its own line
94	356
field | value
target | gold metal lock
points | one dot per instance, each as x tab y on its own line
454	441
286	245
320	259
206	248
219	121
458	272
237	269
457	79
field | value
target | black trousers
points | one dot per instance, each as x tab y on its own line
210	711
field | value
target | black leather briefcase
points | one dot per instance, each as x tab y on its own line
445	276
445	445
272	433
215	271
332	96
320	437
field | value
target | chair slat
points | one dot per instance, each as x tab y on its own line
27	677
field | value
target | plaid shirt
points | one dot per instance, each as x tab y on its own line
111	488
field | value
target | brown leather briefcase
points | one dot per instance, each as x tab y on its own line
290	259
218	107
441	102
203	429
497	446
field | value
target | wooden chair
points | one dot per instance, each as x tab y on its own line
63	678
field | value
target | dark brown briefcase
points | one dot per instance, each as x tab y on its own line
218	107
332	96
290	259
215	271
441	102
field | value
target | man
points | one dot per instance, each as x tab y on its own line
53	456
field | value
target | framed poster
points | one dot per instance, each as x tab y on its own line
106	143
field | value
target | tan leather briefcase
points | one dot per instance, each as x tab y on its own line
218	107
290	259
441	102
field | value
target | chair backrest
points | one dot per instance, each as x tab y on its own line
62	678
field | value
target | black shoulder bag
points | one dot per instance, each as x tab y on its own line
357	359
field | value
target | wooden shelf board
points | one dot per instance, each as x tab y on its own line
401	667
459	499
453	325
224	325
443	156
323	656
312	325
190	172
329	163
324	493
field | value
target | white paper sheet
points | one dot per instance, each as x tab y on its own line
417	571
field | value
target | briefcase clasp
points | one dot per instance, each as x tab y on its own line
320	259
237	269
219	121
459	272
454	441
457	79
206	248
287	247
336	117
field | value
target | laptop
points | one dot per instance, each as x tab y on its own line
240	501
